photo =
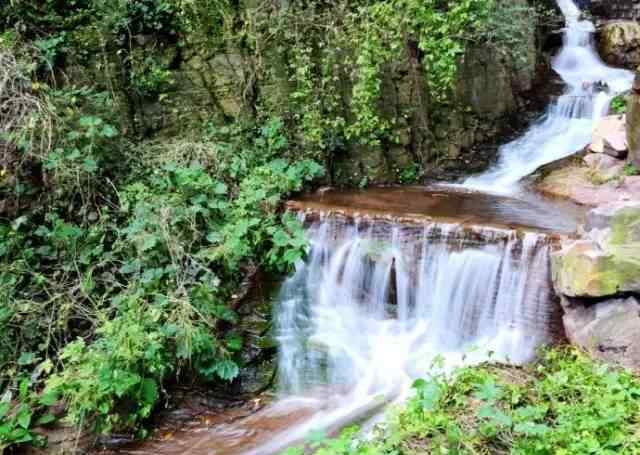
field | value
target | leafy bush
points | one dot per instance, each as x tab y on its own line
565	403
140	293
619	104
121	250
18	416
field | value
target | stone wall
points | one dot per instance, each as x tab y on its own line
212	85
224	84
598	279
616	9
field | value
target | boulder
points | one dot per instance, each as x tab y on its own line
582	269
576	183
617	147
619	43
610	136
601	217
633	122
608	330
606	166
606	262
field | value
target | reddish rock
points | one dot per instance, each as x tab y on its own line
633	122
576	183
608	330
606	166
610	136
617	146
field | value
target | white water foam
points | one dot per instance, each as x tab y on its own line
568	124
376	303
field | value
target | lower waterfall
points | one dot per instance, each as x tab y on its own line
378	304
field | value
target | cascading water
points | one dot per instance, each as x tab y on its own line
377	302
568	124
379	298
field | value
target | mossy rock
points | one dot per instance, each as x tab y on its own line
606	264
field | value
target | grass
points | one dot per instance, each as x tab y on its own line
564	404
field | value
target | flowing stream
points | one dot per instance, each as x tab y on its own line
377	302
399	282
568	124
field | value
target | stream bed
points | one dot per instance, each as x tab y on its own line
399	281
395	279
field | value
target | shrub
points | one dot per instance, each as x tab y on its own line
565	403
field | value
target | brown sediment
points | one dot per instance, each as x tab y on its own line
417	205
231	431
414	214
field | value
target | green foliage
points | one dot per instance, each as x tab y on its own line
565	403
409	174
630	170
126	364
127	296
619	104
19	414
362	46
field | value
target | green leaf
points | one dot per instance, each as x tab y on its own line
149	391
45	419
109	131
4	409
221	311
531	429
24	417
488	391
90	165
234	342
280	238
227	370
495	415
49	398
430	394
26	358
24	389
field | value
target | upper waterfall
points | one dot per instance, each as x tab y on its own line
568	123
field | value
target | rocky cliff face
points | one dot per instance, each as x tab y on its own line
615	9
597	278
228	83
633	122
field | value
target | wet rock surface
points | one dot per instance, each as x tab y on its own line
595	275
443	203
619	43
633	122
605	262
608	330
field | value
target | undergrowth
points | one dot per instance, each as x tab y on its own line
565	403
123	241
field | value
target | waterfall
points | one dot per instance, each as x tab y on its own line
568	123
377	302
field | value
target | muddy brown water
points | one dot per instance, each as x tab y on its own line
529	211
249	428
